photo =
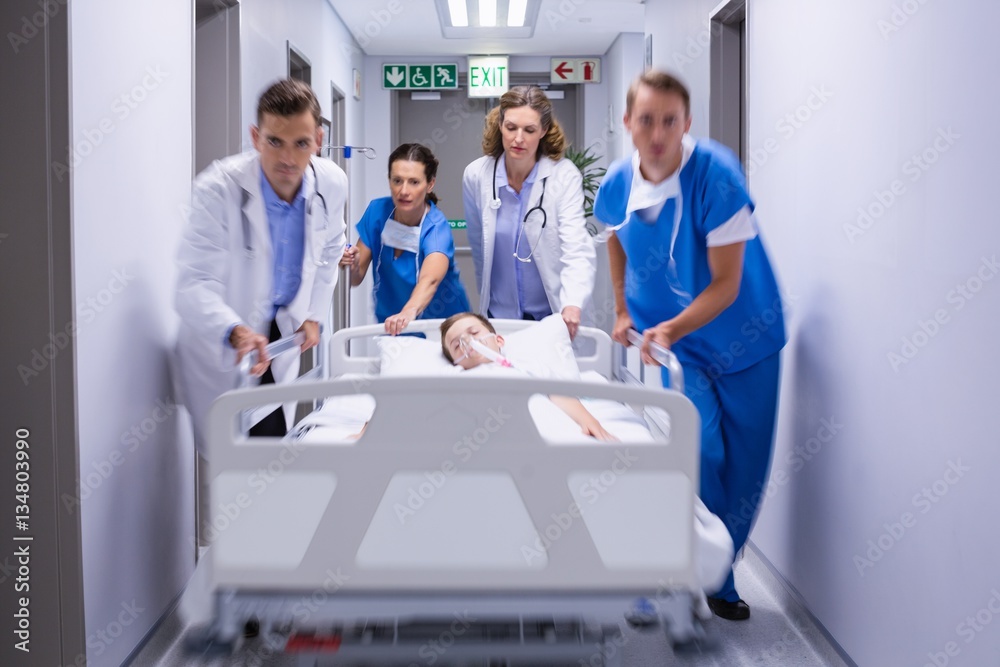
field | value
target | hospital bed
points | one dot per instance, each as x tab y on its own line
453	531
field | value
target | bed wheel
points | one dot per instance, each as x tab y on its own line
683	639
204	641
251	628
643	614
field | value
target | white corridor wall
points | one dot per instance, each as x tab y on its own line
874	146
130	165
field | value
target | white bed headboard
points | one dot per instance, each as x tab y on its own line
592	346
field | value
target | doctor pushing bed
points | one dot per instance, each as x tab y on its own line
259	255
260	251
524	212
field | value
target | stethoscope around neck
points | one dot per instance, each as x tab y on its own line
248	248
495	205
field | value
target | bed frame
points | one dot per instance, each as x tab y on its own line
317	502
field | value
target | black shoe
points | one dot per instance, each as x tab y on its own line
731	611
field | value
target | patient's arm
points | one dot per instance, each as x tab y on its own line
588	423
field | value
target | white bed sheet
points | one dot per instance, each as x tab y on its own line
343	416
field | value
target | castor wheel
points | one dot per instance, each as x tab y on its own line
643	614
252	628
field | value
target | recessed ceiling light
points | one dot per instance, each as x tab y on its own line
488	13
459	13
482	19
515	13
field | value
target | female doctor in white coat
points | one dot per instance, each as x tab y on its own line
524	211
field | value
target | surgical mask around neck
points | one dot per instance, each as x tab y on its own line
402	237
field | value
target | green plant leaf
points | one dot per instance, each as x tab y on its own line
584	161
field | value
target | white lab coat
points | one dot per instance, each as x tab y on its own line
226	270
564	254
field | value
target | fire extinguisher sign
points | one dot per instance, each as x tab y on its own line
575	70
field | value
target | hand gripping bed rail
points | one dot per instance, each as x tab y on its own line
285	345
663	357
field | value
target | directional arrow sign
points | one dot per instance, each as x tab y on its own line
399	76
575	70
394	76
563	70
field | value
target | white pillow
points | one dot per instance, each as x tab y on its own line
401	356
543	349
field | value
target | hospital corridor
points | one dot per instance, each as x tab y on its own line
500	333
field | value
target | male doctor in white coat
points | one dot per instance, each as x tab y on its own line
260	253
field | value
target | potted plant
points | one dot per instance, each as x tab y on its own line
584	161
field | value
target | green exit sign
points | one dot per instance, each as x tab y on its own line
457	224
405	76
488	76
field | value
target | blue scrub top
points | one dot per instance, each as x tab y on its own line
657	289
395	277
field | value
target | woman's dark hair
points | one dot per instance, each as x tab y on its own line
417	153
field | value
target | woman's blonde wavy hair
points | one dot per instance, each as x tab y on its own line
553	143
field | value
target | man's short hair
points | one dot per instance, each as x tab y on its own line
661	81
288	98
450	322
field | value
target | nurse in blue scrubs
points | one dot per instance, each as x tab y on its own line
409	239
691	273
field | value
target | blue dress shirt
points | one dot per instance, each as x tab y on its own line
287	224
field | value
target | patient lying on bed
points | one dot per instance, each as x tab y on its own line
470	341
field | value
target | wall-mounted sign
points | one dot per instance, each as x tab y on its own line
438	76
575	70
489	76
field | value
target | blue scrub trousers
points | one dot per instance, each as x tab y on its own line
737	436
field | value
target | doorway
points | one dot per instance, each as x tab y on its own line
299	67
216	96
727	99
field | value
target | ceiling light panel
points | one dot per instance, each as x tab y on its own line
516	11
487	19
458	13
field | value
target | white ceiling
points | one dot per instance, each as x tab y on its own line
564	28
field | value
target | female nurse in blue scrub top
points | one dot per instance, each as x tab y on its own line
409	239
691	273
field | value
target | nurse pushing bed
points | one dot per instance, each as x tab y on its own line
691	273
409	240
